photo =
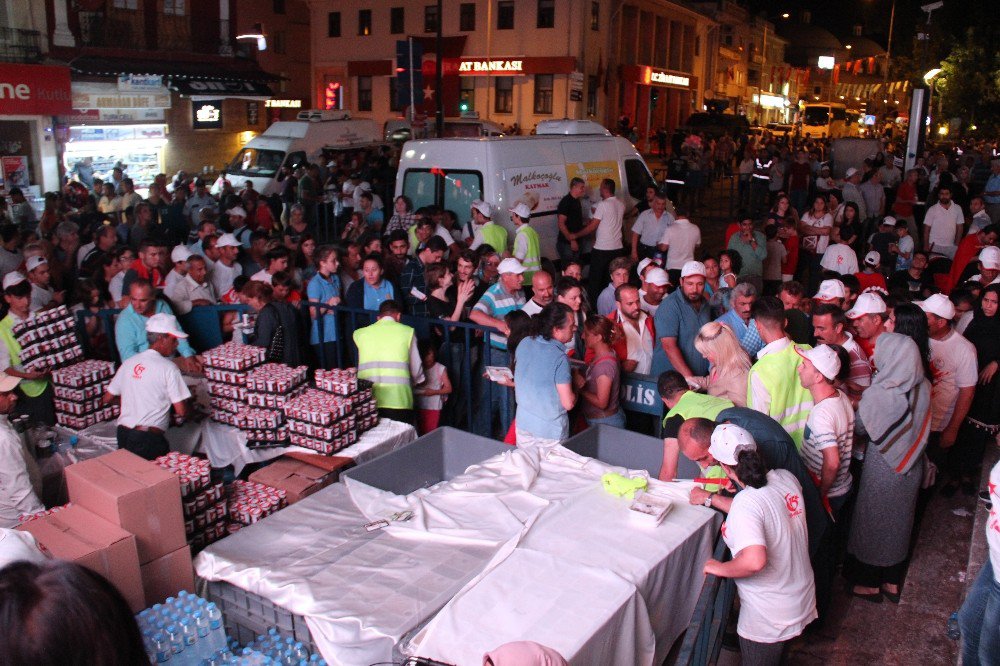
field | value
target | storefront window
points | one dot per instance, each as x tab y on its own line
543	93
504	94
364	93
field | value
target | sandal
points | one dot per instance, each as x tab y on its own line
893	597
873	597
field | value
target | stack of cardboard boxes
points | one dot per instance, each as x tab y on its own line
125	521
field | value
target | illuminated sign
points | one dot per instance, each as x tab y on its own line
770	101
491	66
333	96
283	103
825	62
207	114
669	79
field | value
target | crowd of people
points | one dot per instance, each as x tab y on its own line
839	349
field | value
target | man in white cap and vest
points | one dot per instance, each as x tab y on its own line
35	393
149	384
527	246
388	357
18	494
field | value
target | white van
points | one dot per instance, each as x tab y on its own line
294	143
399	130
536	170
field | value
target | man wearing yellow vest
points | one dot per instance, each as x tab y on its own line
773	388
34	392
388	357
682	403
527	247
483	230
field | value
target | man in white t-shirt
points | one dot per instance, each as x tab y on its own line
18	495
649	227
149	384
840	258
655	283
953	363
767	534
224	271
606	223
943	225
679	241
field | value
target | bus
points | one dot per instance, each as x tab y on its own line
826	120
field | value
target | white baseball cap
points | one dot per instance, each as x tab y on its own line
830	290
228	240
889	220
521	210
823	359
873	258
511	265
693	268
180	253
657	276
642	266
8	383
162	322
34	262
728	441
868	303
13	278
989	257
482	207
850	172
237	211
938	304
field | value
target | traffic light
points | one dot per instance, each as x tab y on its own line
654	95
463	106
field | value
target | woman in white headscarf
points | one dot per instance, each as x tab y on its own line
895	412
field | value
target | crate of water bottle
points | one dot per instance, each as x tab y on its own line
194	473
185	630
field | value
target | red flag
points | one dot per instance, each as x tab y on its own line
836	74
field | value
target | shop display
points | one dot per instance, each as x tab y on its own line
79	389
48	340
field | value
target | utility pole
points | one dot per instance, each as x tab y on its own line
438	65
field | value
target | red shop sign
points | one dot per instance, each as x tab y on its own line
34	90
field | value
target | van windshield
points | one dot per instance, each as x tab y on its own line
452	190
816	116
254	162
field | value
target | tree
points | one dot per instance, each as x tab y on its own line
968	86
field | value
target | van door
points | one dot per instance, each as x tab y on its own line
637	178
452	189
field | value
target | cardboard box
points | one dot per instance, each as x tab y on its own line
78	535
166	576
297	478
135	494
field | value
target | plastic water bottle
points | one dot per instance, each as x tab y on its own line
954	632
176	639
216	632
161	646
300	651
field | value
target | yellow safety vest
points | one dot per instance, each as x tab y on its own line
384	360
31	387
495	236
532	261
790	403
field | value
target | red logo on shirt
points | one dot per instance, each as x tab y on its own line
792	504
723	530
138	370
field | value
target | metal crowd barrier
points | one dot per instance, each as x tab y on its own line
703	638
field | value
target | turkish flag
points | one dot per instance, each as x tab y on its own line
452	49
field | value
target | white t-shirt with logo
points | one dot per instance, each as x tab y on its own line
610	212
993	522
148	384
840	258
830	424
953	364
778	601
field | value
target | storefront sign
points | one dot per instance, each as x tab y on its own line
114	116
113	133
666	79
140	83
15	171
107	96
207	114
34	90
253	113
770	101
502	67
222	88
576	87
508	66
283	103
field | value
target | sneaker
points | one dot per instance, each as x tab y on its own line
984	497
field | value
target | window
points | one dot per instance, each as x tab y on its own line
393	102
278	42
467	93
595	15
430	18
638	178
364	22
364	93
503	94
543	93
505	15
397	20
173	7
546	13
278	6
467	16
333	24
592	85
452	190
125	4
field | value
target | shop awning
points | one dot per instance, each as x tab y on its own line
208	69
200	90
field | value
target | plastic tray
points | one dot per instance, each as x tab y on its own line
248	615
437	456
624	448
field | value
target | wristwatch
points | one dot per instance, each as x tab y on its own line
708	500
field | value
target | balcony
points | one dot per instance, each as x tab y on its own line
134	30
20	45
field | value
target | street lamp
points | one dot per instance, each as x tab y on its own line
763	62
257	33
930	78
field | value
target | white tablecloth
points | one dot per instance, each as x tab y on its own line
523	525
226	445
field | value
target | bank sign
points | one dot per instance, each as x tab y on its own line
34	90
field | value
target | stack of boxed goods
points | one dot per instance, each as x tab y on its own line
321	421
249	502
346	383
144	500
301	474
48	340
226	368
203	503
28	517
79	389
269	388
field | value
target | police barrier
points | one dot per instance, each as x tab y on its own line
703	637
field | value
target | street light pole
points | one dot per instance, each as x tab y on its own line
438	66
888	48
